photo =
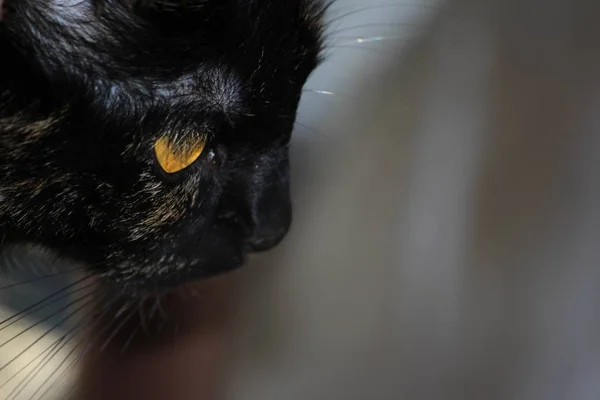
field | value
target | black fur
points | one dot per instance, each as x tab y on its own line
87	86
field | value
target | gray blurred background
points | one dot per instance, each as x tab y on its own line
451	251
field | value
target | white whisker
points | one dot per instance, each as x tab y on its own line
377	7
312	130
348	41
329	93
353	45
373	25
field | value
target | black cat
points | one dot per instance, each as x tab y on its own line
149	139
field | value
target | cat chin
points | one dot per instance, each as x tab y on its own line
171	267
160	279
130	278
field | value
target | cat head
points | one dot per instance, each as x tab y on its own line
149	139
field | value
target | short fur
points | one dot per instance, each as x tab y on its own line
86	88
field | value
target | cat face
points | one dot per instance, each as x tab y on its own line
150	139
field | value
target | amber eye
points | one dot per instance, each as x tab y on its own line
173	158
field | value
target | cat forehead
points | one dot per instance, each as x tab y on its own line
68	12
183	30
213	53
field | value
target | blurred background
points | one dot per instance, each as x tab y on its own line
446	226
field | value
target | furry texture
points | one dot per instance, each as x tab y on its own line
88	86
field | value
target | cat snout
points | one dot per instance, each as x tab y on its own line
270	230
266	240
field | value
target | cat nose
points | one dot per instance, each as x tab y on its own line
265	241
270	230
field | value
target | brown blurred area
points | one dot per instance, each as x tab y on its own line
176	353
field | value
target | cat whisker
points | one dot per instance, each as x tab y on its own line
71	335
67	370
13	263
308	128
53	294
63	341
24	367
28	311
333	34
155	307
63	320
160	308
61	364
129	340
163	321
368	44
47	354
379	6
37	279
57	345
119	326
36	370
143	320
348	40
123	309
61	344
329	93
354	45
90	343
